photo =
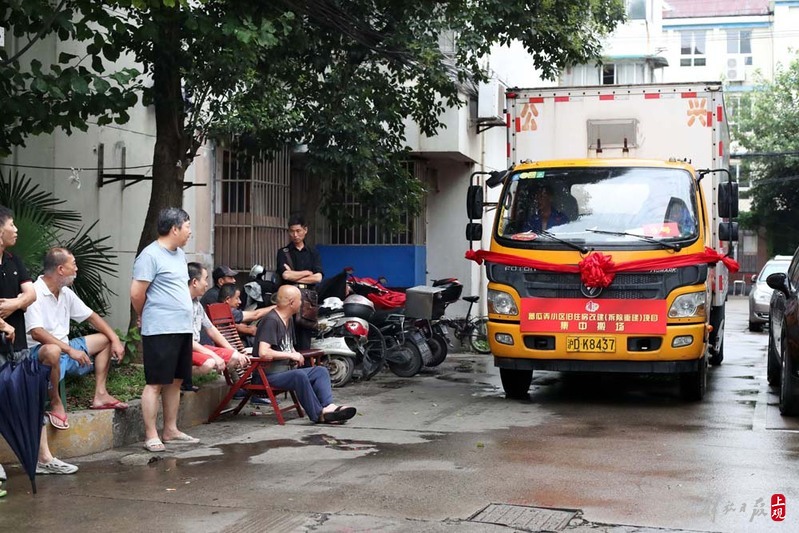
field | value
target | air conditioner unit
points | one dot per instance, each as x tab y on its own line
736	70
491	101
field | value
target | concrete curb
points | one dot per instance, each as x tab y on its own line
96	431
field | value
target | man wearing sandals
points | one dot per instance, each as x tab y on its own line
160	297
48	319
274	342
16	294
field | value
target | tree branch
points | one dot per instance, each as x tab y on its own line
38	36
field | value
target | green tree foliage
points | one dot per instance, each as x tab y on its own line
340	77
768	124
70	90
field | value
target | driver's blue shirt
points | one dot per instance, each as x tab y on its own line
556	218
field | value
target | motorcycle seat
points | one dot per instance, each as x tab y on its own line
471	299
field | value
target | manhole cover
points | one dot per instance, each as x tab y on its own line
524	518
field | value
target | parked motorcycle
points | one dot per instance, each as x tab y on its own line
353	347
406	349
435	329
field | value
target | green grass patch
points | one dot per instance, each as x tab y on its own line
125	383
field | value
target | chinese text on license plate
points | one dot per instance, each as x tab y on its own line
590	344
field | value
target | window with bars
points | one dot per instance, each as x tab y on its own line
251	209
370	230
693	48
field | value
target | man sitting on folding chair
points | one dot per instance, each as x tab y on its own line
274	342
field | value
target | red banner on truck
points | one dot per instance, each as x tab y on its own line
578	315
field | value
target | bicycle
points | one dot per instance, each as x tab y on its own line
473	328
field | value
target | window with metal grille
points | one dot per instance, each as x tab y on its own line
251	209
370	230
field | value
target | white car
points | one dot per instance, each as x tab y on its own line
760	295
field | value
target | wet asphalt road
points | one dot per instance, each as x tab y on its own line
427	453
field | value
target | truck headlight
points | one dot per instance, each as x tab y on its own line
501	303
690	305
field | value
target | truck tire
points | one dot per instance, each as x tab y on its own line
693	385
717	321
516	383
789	388
773	369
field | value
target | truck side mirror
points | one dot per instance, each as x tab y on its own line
474	231
474	202
728	231
728	199
779	282
497	177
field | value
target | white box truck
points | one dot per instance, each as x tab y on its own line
611	240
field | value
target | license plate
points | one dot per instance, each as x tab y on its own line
591	344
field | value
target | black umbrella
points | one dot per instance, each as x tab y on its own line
23	392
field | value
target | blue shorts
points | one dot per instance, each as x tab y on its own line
68	364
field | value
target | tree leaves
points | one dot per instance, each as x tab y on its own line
768	123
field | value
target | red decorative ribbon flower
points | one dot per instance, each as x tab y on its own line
596	270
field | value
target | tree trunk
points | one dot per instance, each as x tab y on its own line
172	142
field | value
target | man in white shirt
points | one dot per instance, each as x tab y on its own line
47	322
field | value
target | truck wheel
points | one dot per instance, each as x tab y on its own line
789	403
694	384
717	357
341	369
413	365
516	383
772	362
439	348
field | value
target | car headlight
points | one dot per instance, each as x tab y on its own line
689	306
501	303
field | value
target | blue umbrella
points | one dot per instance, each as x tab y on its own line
23	392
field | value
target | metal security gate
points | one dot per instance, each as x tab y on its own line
251	209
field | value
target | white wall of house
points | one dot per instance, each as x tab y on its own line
121	212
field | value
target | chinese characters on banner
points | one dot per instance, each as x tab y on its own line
578	315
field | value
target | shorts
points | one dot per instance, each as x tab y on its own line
70	367
198	359
166	358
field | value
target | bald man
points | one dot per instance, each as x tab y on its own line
274	342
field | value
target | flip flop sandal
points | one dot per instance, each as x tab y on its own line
57	421
339	415
154	445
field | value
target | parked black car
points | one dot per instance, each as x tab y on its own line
783	340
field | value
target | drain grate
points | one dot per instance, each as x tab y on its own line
524	518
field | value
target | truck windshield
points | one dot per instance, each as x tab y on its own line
599	205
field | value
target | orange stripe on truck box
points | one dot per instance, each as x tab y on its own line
561	98
606	97
536	99
652	96
688	94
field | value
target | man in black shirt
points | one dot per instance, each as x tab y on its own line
16	294
300	265
222	275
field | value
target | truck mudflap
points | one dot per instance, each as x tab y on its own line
572	365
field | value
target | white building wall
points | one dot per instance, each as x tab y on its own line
121	212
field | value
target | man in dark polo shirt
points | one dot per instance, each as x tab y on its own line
300	265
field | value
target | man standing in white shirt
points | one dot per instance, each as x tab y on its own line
47	322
